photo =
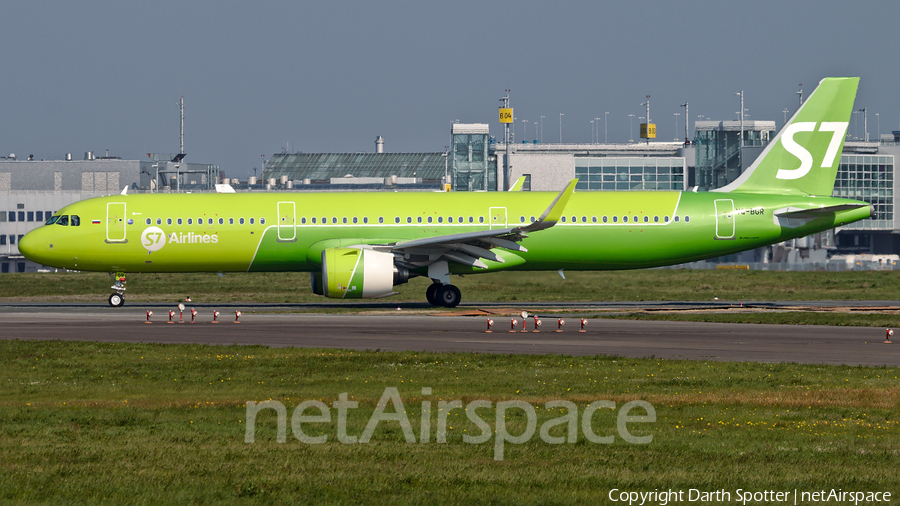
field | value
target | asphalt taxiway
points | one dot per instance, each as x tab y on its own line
396	331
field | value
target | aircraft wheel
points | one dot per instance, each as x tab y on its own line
449	296
431	294
116	300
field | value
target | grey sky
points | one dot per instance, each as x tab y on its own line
330	76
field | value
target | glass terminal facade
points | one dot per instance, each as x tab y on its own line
629	173
869	178
718	149
471	162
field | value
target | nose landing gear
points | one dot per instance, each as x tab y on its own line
117	299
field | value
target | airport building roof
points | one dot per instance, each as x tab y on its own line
325	166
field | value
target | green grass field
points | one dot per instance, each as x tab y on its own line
129	423
655	284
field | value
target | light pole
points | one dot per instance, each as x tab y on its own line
524	130
631	127
535	130
800	94
605	128
785	111
446	174
865	123
879	127
542	129
647	103
560	127
687	120
676	124
741	114
592	131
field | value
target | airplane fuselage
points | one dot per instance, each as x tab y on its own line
288	231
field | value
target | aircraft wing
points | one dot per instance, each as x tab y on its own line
517	186
471	247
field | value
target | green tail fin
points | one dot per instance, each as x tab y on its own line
804	157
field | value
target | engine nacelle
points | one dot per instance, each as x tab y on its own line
354	273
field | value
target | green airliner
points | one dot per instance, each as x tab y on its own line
361	245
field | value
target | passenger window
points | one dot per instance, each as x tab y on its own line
241	221
231	221
324	220
396	219
168	221
593	219
471	220
159	221
615	219
252	221
449	219
574	219
440	219
366	220
584	219
687	219
355	220
221	221
334	220
563	219
521	219
460	219
179	221
429	219
604	219
344	221
149	221
625	219
656	219
262	221
532	219
676	218
190	221
313	220
418	219
481	219
303	221
63	220
409	219
646	219
665	219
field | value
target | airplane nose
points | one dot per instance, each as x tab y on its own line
28	246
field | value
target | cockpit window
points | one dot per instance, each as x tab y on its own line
52	220
75	221
63	220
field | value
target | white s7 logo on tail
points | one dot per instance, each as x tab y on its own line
837	129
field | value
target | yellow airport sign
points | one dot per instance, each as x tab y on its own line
648	130
506	115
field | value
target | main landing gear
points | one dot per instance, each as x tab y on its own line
439	294
117	299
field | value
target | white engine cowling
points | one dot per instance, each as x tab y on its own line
355	273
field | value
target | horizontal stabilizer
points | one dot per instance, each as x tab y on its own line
816	212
